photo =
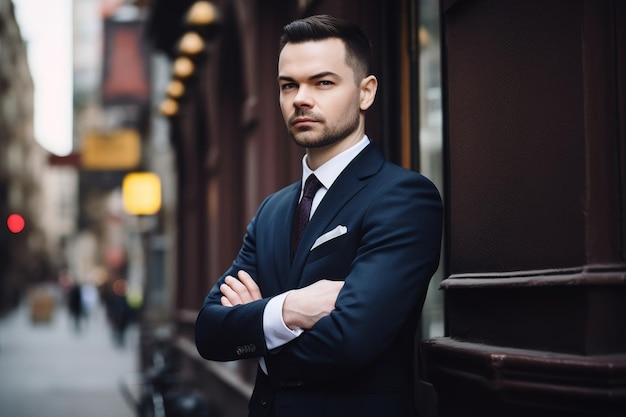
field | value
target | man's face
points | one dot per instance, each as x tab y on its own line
319	97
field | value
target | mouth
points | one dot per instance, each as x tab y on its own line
302	121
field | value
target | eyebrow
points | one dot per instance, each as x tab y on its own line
312	77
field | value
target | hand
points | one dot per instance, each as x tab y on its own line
305	306
239	291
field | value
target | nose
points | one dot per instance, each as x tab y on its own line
303	98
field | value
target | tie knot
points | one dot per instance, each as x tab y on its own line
311	186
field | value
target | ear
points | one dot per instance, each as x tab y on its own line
369	86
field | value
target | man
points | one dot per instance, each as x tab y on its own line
333	320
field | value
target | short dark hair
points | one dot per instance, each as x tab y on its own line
322	27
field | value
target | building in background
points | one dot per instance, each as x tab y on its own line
76	228
27	183
535	117
111	84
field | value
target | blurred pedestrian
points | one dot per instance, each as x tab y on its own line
75	305
118	311
90	299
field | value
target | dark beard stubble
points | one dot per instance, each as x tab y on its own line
329	135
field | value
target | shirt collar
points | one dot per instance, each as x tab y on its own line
328	173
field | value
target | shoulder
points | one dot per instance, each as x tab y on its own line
394	174
385	177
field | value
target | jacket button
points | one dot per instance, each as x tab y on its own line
264	403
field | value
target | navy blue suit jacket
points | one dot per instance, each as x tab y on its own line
358	360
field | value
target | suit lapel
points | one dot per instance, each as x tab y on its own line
353	178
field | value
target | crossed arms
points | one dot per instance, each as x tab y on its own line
302	307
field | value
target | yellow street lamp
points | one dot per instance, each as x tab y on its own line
141	193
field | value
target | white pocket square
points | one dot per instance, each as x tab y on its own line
336	232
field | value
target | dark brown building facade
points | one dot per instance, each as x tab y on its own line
535	107
534	157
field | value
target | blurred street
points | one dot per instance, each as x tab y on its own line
51	369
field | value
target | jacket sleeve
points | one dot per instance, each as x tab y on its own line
384	290
230	333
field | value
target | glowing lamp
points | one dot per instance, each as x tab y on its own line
191	44
175	89
141	193
15	223
202	13
183	67
169	107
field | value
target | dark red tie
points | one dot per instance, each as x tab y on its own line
303	211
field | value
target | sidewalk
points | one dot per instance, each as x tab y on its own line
51	370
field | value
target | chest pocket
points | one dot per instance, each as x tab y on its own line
330	260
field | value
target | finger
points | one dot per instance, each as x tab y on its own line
238	287
251	285
230	294
226	302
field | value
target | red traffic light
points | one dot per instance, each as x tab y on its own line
15	223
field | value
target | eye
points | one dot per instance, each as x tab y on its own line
326	83
288	86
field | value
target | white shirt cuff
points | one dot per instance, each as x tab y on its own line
276	331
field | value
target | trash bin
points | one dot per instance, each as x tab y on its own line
41	305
